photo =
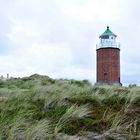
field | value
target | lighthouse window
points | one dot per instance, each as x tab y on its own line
111	37
105	37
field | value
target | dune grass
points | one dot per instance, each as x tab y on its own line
40	108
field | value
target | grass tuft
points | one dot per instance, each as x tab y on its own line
38	107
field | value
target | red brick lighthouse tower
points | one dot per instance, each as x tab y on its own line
108	59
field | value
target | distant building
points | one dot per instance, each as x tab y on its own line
5	78
108	59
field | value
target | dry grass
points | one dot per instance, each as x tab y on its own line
38	107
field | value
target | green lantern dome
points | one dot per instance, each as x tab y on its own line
107	33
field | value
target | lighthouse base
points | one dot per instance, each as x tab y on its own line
100	83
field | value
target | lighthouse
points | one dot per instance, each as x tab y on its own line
108	59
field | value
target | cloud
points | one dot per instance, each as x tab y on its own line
58	37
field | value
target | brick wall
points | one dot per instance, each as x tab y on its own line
108	65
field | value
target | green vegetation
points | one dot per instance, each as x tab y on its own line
40	108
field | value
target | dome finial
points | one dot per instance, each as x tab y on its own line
107	27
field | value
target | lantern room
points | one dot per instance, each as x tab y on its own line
108	39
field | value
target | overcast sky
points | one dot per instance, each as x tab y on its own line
58	37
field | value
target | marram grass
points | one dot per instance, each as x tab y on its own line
40	108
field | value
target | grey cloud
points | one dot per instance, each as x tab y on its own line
48	24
